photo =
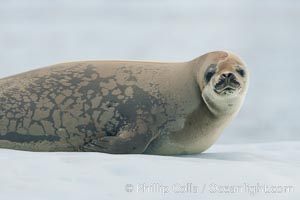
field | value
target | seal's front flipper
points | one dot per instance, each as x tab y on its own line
126	142
118	145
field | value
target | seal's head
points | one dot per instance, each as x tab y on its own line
224	82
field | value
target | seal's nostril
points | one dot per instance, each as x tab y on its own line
228	75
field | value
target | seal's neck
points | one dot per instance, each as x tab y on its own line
222	106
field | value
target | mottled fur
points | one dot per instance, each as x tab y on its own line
115	107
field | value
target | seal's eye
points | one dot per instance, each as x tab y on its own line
240	71
208	75
211	70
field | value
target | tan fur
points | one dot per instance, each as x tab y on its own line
205	124
122	106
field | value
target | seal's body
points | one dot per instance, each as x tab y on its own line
122	106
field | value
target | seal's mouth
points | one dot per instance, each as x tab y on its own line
227	84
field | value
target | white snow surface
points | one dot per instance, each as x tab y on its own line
253	171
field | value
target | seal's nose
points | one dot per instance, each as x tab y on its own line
227	80
230	79
228	75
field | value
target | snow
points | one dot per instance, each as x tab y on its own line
41	176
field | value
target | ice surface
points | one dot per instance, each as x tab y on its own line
41	176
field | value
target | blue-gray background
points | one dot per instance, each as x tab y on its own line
265	33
